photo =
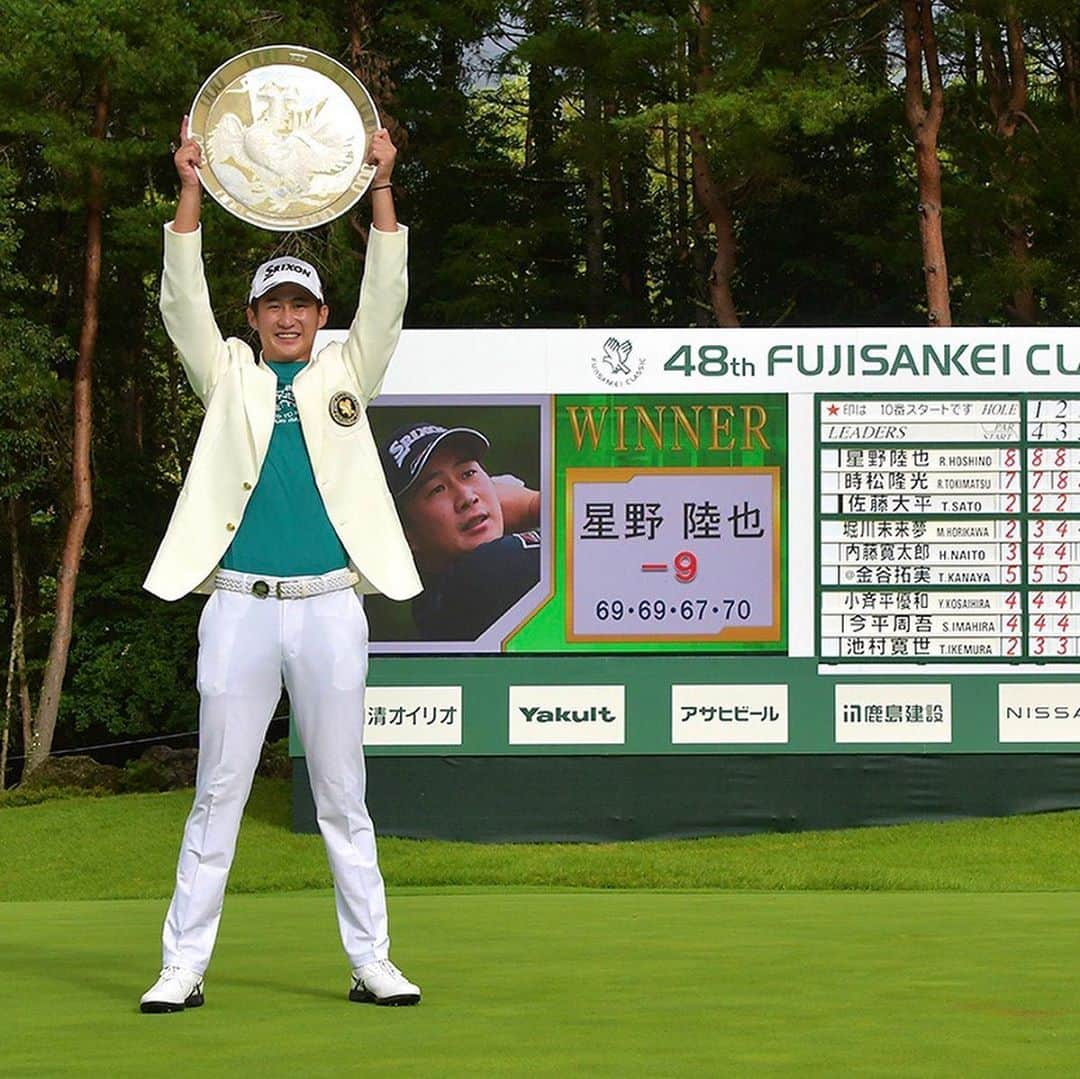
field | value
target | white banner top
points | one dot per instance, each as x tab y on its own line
863	359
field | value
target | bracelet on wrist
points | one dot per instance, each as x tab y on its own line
382	187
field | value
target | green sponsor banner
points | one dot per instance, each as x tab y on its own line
759	697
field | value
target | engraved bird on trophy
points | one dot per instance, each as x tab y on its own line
286	155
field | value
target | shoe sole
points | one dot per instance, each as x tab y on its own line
160	1007
404	1000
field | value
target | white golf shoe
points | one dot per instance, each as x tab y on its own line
175	990
380	982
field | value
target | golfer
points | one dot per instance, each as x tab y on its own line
474	536
284	519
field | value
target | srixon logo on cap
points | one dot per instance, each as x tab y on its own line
295	267
400	447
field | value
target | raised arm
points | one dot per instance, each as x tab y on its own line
188	160
383	154
185	299
376	327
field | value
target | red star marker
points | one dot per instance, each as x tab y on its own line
833	410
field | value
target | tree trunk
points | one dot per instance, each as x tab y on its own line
691	265
30	606
666	149
920	46
11	691
138	417
1006	79
637	191
82	482
684	191
1070	48
594	187
547	293
540	123
620	214
971	61
373	68
135	396
713	198
26	709
716	205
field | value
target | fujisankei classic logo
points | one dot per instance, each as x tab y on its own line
615	367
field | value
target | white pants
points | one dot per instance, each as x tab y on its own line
246	645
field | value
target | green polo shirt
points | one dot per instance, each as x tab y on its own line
285	531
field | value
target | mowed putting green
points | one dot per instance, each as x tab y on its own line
564	983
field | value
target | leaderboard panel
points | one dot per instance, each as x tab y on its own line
948	528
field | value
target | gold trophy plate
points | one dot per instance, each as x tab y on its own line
284	133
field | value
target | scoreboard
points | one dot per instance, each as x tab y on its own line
948	528
752	542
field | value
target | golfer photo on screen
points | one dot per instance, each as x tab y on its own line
475	537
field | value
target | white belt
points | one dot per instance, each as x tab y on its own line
285	587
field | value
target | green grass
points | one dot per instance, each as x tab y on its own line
125	847
564	984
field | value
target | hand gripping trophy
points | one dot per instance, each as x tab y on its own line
284	519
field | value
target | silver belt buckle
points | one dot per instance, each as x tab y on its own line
261	589
277	590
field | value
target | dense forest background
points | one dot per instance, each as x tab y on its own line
563	163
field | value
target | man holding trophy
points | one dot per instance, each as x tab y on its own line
284	519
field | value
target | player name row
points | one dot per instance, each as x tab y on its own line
988	552
1042	458
884	646
911	481
968	624
953	603
912	503
1048	529
922	574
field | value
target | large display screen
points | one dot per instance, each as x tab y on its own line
673	541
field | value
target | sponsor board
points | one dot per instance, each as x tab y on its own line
729	715
412	716
893	712
1032	712
567	715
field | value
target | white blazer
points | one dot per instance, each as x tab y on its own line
239	394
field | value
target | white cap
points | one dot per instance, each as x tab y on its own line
285	270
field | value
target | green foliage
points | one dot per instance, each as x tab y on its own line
812	101
159	769
32	399
32	402
75	772
133	657
274	760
